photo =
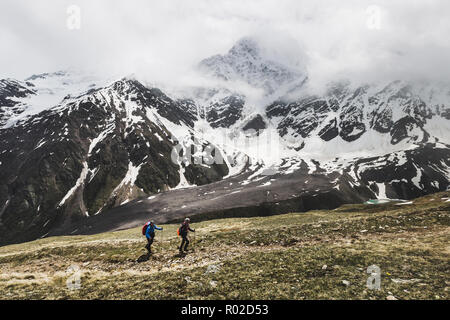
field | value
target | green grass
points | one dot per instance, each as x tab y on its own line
276	257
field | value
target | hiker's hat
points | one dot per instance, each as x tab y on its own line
187	219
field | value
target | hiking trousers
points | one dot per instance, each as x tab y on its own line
149	242
184	242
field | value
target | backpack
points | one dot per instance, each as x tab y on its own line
144	228
179	230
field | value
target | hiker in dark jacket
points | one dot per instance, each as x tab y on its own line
184	229
150	235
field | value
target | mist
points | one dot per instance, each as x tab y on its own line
163	41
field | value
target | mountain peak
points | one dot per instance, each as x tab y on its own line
46	75
247	62
246	46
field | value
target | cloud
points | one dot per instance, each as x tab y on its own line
162	40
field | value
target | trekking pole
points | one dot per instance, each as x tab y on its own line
194	242
162	237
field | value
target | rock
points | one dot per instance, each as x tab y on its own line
391	297
324	267
346	283
212	269
257	124
213	283
405	281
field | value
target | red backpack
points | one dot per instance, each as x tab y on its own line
181	229
144	228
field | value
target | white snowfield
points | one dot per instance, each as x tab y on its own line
51	90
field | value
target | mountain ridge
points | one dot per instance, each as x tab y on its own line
106	148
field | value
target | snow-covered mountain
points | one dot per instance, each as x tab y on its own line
11	93
382	118
79	150
41	92
247	63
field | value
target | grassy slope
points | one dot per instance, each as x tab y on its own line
278	257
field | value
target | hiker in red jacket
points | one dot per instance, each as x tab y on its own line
184	229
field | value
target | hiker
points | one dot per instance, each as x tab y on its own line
150	234
183	232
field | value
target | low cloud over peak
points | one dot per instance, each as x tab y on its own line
163	41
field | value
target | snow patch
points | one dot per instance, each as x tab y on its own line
79	183
130	177
382	191
404	203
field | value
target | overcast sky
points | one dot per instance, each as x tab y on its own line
163	39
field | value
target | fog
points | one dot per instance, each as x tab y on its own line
163	40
